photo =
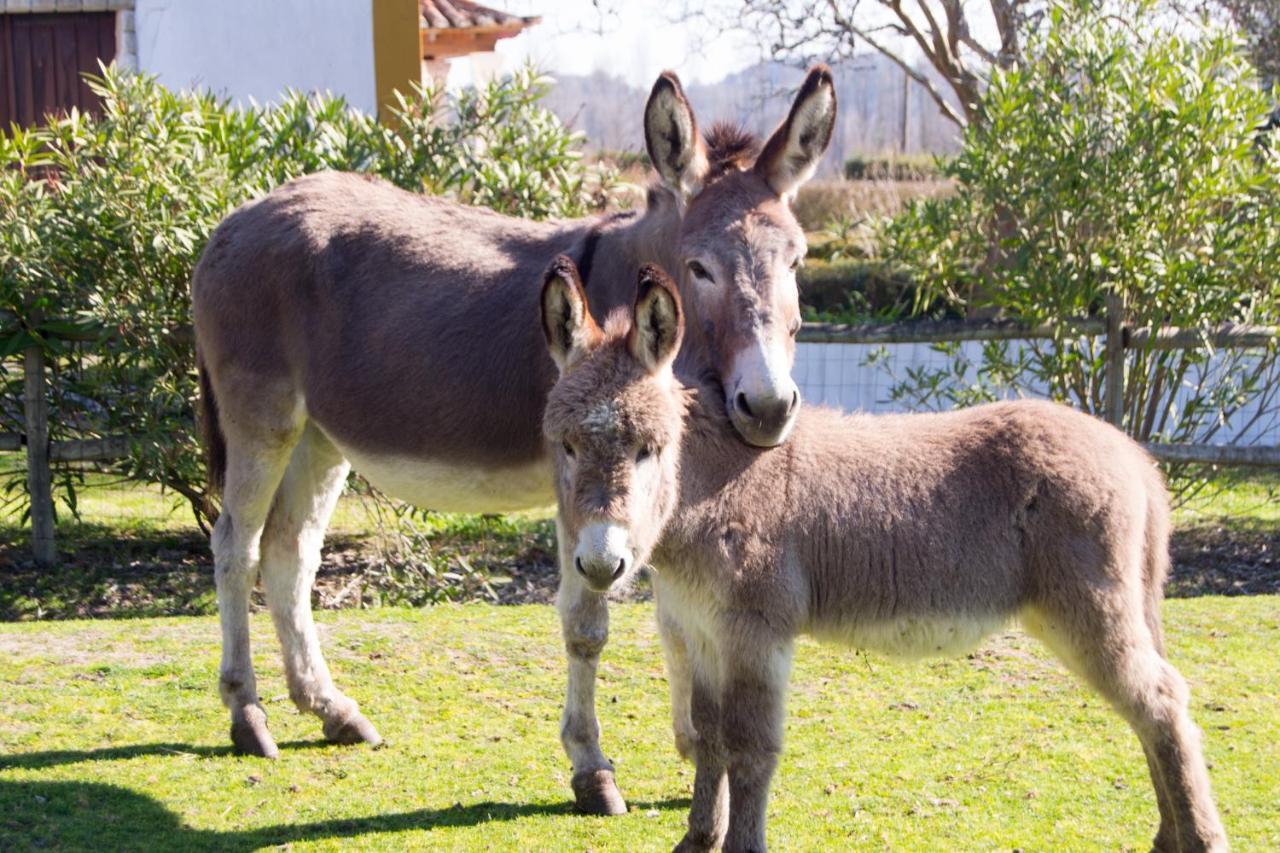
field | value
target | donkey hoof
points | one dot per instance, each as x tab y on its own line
692	843
352	730
595	792
250	736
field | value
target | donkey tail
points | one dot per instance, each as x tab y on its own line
1156	560
215	444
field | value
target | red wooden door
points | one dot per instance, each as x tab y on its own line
42	58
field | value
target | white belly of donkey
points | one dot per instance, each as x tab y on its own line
447	487
916	636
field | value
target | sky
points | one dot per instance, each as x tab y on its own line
633	40
637	40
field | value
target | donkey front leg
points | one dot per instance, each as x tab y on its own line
757	667
709	812
291	547
584	620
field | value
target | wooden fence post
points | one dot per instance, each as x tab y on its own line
39	478
1113	390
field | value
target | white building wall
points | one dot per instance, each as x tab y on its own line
258	48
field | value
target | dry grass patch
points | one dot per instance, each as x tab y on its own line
819	202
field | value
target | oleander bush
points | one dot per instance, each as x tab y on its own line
102	219
1109	162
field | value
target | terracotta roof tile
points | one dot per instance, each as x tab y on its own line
463	14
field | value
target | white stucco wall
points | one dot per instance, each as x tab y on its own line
259	48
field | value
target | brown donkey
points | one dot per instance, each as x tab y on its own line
343	323
911	534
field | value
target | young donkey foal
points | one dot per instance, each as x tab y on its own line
912	534
341	323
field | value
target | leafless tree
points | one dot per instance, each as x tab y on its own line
943	31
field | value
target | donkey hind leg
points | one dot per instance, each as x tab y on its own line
675	650
1115	651
1167	835
255	465
291	546
584	620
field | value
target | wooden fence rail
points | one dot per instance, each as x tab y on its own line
1230	336
41	452
77	450
1216	454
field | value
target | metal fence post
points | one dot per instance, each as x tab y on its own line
39	478
1113	390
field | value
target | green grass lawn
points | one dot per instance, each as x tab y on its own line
112	737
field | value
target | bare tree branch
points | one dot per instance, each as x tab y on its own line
955	25
865	35
940	31
1009	19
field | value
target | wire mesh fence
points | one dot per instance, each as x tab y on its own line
861	377
854	369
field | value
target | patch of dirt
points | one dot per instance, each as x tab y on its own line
92	649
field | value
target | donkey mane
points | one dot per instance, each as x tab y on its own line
730	146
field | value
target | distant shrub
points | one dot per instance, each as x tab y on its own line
848	290
624	160
894	167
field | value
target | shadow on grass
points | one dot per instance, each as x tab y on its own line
58	757
119	573
1225	556
97	816
104	570
141	570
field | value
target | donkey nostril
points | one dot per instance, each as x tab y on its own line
741	402
622	567
577	562
795	401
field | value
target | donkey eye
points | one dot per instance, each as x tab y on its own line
568	450
645	452
699	271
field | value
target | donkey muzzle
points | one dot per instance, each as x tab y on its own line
603	555
762	399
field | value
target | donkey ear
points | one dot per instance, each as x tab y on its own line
566	321
658	322
672	138
793	152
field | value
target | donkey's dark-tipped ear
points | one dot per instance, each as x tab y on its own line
794	149
672	138
566	321
658	322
